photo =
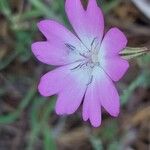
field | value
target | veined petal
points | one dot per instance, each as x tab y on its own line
57	33
114	41
91	106
54	53
108	95
88	24
95	20
50	53
54	30
70	97
54	81
115	67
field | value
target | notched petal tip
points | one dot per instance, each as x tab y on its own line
85	117
34	47
120	34
95	120
127	65
58	112
41	24
69	111
123	70
44	25
42	90
95	124
115	114
59	109
63	111
92	4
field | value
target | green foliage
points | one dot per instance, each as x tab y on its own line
40	113
110	131
141	80
96	143
5	8
108	6
113	146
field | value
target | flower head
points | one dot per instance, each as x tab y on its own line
88	62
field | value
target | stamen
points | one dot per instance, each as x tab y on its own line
83	55
71	47
79	66
93	41
90	81
76	67
90	57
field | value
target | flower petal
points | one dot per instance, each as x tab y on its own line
72	94
54	53
113	42
62	46
108	94
88	24
115	67
50	53
54	81
57	33
91	106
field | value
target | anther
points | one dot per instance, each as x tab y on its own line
71	47
76	67
83	55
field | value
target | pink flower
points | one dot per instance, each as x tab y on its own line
88	62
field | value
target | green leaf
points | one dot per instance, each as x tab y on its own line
109	132
49	109
28	98
113	146
5	63
108	6
48	139
10	118
39	5
96	143
13	116
128	92
5	8
35	122
30	14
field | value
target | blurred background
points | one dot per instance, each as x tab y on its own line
28	121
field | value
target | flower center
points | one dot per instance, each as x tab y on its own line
91	56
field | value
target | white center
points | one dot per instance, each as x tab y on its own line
90	58
91	55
